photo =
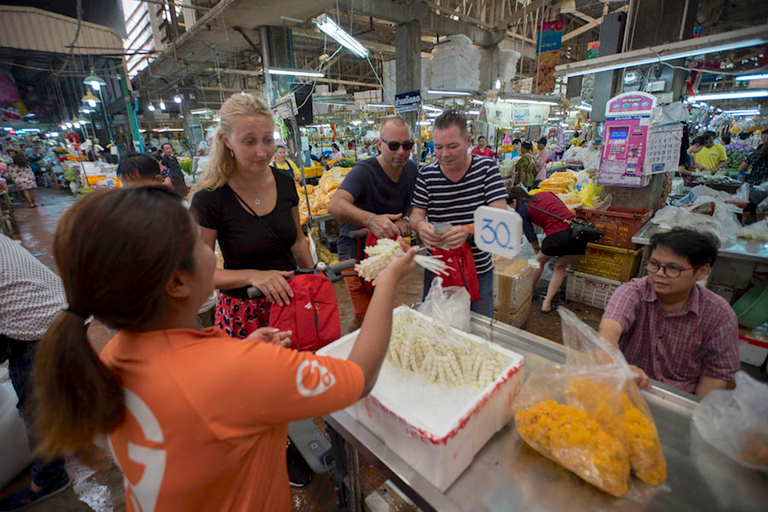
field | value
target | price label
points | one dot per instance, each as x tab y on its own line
498	231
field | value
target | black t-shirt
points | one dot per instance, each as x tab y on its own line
375	192
246	242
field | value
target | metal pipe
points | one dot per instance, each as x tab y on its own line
682	22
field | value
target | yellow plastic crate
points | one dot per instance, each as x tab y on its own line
609	262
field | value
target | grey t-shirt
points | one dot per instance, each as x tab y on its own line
375	192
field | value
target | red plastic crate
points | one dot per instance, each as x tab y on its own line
619	224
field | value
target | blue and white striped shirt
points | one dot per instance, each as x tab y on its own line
455	203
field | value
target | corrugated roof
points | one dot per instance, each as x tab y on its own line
28	28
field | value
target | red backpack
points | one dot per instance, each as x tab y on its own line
463	271
312	315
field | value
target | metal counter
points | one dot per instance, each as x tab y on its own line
750	250
507	475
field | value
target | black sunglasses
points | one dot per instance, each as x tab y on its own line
394	146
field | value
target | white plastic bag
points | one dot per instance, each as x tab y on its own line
756	231
14	450
448	305
736	421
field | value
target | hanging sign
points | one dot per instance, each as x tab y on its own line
549	41
285	108
408	101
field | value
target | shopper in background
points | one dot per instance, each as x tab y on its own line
138	170
283	163
575	141
449	191
482	148
376	194
175	173
22	176
712	156
541	161
336	154
252	210
686	165
558	242
31	296
757	163
515	148
196	420
525	167
670	328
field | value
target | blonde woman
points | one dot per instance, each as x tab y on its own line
252	210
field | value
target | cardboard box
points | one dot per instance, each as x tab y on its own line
512	288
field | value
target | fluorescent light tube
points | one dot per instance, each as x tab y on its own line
476	102
200	111
328	26
423	123
381	105
529	102
430	108
449	93
473	112
296	72
761	76
731	95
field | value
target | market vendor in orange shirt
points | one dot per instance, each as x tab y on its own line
197	420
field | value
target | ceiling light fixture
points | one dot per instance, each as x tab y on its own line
731	95
177	99
725	41
94	81
296	72
430	108
381	105
449	93
90	99
529	102
151	107
162	105
761	76
328	26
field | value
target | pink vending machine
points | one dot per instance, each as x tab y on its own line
624	151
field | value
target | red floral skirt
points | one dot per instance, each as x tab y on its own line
240	317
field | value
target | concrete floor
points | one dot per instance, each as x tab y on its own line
98	484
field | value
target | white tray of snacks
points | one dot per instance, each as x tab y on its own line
440	396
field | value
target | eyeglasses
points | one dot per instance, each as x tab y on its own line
394	146
669	270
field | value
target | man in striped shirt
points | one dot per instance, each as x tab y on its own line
449	191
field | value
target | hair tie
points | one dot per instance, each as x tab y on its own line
74	311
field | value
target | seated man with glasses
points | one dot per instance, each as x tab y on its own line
670	328
376	194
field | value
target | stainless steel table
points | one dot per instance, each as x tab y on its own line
750	250
507	475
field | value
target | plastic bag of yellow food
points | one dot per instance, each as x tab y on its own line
579	413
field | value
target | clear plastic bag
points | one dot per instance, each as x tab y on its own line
589	416
448	305
736	421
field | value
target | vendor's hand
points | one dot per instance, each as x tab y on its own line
427	234
272	335
273	285
643	381
383	226
399	267
455	237
403	227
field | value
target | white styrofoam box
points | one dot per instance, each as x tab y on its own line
751	354
14	450
437	430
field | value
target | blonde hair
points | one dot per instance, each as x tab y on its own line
222	162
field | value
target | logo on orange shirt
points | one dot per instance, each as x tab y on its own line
313	379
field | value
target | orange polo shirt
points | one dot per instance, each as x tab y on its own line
207	417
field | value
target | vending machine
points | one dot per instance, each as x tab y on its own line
624	153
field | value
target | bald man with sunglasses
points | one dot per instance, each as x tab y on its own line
376	194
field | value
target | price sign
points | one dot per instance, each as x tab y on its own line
498	231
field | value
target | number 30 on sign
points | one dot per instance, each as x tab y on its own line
498	231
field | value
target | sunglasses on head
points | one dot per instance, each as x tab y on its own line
394	146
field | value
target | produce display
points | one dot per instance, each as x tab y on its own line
559	182
324	254
441	356
320	195
386	250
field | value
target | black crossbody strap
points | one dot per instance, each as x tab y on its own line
287	253
551	214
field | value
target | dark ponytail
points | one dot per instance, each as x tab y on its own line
519	194
115	251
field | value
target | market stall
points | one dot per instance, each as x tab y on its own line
506	474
